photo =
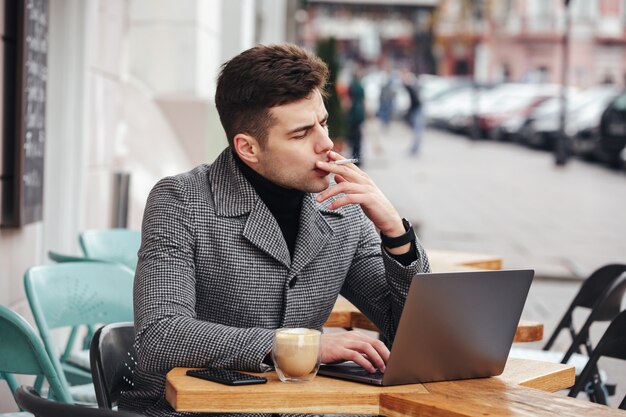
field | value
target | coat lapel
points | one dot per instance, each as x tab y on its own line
313	235
234	196
262	230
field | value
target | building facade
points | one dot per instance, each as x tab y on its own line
522	40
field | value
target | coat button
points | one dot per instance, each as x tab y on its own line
293	281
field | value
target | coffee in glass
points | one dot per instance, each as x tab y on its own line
296	354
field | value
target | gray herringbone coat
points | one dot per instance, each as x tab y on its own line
215	276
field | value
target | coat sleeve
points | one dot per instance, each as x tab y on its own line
376	283
168	331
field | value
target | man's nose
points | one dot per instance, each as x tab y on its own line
323	142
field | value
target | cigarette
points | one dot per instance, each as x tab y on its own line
345	161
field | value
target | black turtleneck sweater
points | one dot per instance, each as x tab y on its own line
284	203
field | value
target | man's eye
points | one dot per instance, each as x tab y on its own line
301	136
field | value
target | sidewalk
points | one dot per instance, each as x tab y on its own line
504	199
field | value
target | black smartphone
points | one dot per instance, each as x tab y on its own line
226	376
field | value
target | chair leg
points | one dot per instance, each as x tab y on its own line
596	391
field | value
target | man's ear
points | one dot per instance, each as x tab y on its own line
247	147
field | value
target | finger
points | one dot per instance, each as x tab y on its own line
382	350
349	171
348	199
339	179
372	355
360	360
345	187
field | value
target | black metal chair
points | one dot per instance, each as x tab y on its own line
28	399
606	308
113	359
611	345
589	296
602	292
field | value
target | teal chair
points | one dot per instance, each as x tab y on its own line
22	352
59	258
72	294
112	245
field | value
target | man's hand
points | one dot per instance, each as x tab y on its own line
370	353
359	188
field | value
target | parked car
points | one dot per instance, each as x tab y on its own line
583	125
584	109
441	110
613	131
511	102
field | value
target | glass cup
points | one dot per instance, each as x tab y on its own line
296	354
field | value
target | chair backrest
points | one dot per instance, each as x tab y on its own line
28	399
61	257
22	352
592	290
113	245
77	293
606	308
113	360
611	345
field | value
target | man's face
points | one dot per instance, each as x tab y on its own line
297	139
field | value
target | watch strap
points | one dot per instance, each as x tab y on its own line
395	242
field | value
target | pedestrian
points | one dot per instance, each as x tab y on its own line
262	238
414	116
356	114
386	103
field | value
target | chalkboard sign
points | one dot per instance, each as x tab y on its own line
26	46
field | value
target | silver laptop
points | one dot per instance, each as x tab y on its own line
454	325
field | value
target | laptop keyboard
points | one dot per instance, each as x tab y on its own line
356	370
363	372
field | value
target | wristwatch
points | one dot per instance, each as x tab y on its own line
395	242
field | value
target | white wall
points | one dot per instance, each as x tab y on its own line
131	88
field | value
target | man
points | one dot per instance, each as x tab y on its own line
258	240
356	113
415	115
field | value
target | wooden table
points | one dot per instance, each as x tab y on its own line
347	316
445	261
524	389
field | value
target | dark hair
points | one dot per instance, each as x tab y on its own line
256	80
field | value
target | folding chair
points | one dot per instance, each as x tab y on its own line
611	345
28	399
22	352
61	257
605	307
112	245
590	292
77	293
113	360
